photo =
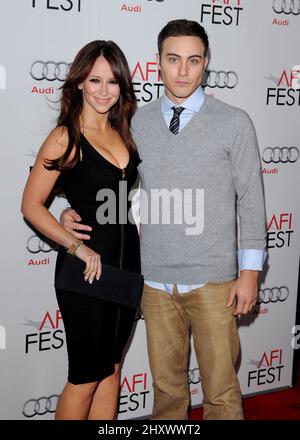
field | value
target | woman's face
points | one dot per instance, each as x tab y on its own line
100	90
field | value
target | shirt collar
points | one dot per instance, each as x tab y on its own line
192	103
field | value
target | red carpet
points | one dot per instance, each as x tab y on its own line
278	405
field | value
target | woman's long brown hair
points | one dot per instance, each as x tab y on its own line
71	100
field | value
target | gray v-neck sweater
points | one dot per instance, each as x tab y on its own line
205	174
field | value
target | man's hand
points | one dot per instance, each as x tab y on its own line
245	291
69	219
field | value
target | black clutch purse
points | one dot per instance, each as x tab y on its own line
115	285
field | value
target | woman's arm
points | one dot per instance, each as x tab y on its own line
38	187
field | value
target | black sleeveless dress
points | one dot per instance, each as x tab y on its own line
97	331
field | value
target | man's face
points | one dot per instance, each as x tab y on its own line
182	64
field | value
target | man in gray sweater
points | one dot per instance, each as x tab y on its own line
200	165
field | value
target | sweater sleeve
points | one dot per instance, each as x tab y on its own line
247	179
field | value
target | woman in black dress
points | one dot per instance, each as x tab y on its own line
91	149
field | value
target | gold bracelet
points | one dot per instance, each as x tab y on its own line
74	247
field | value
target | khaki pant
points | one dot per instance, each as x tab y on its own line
168	322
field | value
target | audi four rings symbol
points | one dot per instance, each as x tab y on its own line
35	245
286	7
280	155
49	70
221	79
194	376
273	295
41	406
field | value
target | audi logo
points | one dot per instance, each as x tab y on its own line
273	295
221	79
280	154
40	406
194	376
286	7
49	70
35	245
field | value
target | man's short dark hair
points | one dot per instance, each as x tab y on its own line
182	28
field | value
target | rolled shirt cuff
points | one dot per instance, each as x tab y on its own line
251	259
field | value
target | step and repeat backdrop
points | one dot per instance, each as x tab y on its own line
255	65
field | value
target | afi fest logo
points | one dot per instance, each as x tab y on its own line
223	12
57	5
2	337
268	369
279	230
2	78
48	333
134	393
287	90
147	83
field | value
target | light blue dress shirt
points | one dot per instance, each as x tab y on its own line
248	259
